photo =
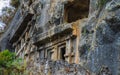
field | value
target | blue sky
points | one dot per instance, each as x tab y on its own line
3	3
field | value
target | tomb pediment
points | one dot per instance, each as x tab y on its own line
53	33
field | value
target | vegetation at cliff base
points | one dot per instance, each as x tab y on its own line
10	65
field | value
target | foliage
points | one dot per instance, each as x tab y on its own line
6	57
10	65
15	3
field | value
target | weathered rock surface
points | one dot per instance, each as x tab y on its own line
98	37
102	37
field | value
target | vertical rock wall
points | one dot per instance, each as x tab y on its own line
99	45
101	40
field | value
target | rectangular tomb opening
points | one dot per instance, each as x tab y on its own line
75	10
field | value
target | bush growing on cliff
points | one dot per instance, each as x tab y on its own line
10	65
6	57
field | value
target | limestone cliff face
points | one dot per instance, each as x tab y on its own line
102	36
84	32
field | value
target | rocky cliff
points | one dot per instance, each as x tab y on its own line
87	30
102	36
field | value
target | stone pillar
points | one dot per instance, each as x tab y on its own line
68	50
76	32
55	53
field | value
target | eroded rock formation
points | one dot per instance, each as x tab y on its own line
66	37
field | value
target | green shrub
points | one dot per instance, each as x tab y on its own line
10	65
5	57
